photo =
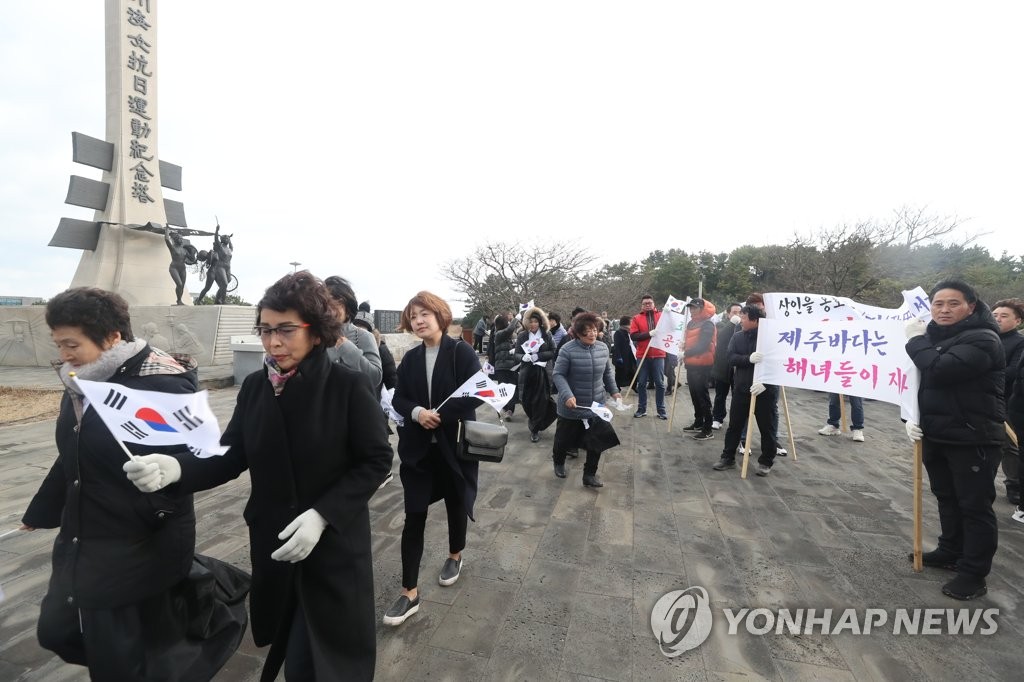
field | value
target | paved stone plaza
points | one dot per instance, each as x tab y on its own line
560	580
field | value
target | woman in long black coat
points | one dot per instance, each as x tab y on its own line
535	379
310	434
122	558
430	470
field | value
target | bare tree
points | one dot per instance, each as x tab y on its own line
500	276
912	226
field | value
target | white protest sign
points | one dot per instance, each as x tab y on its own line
669	331
824	307
866	358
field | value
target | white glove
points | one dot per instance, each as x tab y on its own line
916	327
527	358
150	473
534	357
914	431
756	357
757	389
305	532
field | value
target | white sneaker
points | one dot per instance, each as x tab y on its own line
829	430
857	435
1018	514
781	452
716	425
387	479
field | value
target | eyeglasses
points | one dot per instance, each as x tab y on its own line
285	332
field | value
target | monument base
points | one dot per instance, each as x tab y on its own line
204	332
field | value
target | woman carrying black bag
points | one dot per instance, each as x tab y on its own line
430	470
583	375
532	348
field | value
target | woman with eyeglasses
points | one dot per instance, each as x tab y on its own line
310	434
430	470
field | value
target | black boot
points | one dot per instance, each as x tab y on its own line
937	559
592	481
534	437
560	470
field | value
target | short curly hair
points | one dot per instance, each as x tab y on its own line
584	320
306	295
431	302
98	313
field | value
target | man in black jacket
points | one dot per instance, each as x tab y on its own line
743	355
721	371
962	412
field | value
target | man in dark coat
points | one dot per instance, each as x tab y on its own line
1008	314
743	355
962	413
501	355
721	371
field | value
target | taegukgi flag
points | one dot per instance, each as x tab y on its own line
480	386
154	418
523	307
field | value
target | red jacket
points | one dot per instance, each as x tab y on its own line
640	329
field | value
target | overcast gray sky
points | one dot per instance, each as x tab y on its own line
378	139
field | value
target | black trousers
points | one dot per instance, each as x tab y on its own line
569	435
738	421
697	381
412	537
478	343
962	479
719	410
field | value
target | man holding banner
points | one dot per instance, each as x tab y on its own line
961	428
743	356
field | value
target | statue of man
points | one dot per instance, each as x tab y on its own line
179	249
218	267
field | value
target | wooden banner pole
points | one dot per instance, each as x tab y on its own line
750	437
918	563
789	424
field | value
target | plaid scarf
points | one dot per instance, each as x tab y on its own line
278	377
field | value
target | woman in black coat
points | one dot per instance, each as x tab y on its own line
310	433
535	380
502	358
121	557
430	470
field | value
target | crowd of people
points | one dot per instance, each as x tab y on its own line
309	431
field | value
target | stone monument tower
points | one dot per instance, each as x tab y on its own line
123	246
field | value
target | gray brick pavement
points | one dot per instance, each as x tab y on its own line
560	580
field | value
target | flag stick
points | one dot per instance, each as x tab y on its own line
1011	433
918	565
842	413
120	442
675	394
637	373
10	532
789	424
750	437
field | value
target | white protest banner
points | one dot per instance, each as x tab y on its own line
866	358
824	307
671	325
154	418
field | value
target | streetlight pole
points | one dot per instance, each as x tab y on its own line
295	265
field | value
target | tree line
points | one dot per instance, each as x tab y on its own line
870	261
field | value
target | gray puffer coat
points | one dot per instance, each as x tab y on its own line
584	372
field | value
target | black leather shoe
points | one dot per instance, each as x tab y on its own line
724	464
560	470
592	481
694	427
534	437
